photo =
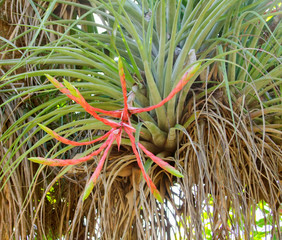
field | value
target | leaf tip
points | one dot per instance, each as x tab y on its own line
42	126
88	189
53	80
174	172
71	88
37	159
194	68
157	195
47	130
47	75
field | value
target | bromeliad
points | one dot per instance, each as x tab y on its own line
115	133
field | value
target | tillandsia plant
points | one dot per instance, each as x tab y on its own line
115	133
222	132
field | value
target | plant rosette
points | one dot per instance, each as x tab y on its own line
115	134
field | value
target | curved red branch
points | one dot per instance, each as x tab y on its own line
92	181
184	80
66	162
150	183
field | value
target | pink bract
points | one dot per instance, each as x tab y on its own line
115	133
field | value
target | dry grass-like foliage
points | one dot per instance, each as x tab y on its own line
223	160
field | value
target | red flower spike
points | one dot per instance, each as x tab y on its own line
67	141
125	116
184	80
76	96
150	184
66	162
164	165
115	133
81	100
92	181
118	138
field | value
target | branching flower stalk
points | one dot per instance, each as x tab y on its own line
115	133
